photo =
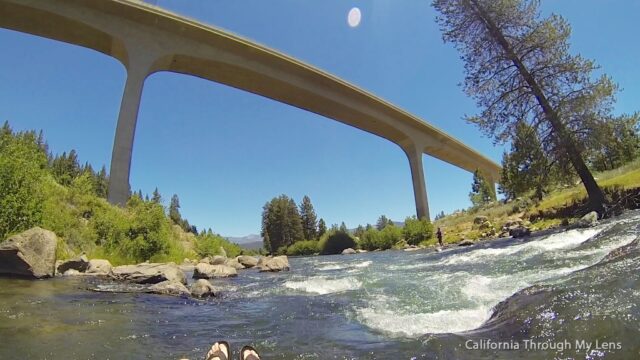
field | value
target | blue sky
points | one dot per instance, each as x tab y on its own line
227	152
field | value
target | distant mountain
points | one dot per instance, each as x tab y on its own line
245	239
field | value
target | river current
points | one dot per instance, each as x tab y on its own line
536	298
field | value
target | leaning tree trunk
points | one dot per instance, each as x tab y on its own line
595	194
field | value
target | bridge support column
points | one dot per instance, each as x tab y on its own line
414	154
119	189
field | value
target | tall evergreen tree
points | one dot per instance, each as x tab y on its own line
281	223
102	182
322	227
174	210
382	222
309	219
343	227
518	68
482	191
525	167
156	197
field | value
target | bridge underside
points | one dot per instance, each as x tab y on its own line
147	39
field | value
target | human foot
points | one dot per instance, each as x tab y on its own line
249	353
219	351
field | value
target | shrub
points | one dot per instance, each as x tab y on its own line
389	236
416	231
335	241
308	247
22	165
369	239
209	244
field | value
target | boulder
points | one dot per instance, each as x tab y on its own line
247	261
205	260
412	248
480	219
511	223
359	251
29	254
206	271
80	264
587	221
151	273
167	287
218	260
487	225
348	251
202	288
466	242
273	264
234	263
99	267
72	272
520	231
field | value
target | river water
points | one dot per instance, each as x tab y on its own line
543	297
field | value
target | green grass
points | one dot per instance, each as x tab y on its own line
460	226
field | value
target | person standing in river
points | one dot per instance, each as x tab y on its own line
439	235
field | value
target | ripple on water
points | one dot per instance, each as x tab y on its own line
322	285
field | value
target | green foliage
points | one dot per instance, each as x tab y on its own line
303	248
615	142
22	164
322	228
416	231
518	68
209	244
482	191
281	223
526	166
335	241
58	194
373	239
382	222
309	219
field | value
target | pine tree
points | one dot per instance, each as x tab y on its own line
382	222
156	197
482	191
518	68
525	167
309	219
343	227
102	182
281	223
322	227
174	210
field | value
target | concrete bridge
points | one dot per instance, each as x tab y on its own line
147	39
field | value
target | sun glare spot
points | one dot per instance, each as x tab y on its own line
354	17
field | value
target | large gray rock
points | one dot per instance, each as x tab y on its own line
151	273
173	288
206	271
29	254
273	264
587	221
520	231
247	261
99	267
80	264
202	288
218	260
348	251
466	242
234	264
480	219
